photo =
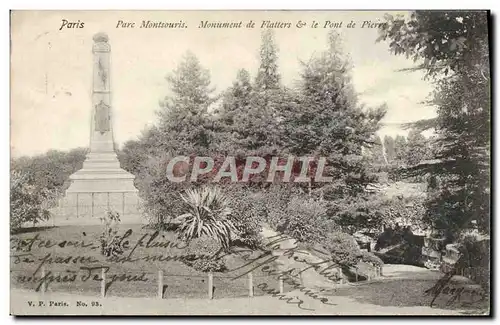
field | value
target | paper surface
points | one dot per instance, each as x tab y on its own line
95	80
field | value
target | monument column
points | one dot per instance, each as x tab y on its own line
101	124
101	184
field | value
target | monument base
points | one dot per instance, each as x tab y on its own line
100	186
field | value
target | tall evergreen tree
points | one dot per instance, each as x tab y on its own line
251	113
329	122
268	76
185	127
185	123
235	104
453	49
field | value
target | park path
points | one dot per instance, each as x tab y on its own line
236	306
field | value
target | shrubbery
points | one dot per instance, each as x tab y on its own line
475	250
304	220
161	198
371	258
26	202
37	182
247	214
205	212
343	248
110	241
206	250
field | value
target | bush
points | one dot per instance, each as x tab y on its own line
26	201
343	248
247	214
304	220
206	212
110	241
371	258
254	206
285	209
50	171
475	251
160	196
205	255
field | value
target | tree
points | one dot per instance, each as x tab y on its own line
251	114
400	148
185	127
390	148
268	76
452	49
50	171
135	153
185	124
246	123
26	201
38	182
329	122
376	152
236	103
417	148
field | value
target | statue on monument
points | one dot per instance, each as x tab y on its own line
102	74
102	117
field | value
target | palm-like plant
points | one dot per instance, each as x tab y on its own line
207	213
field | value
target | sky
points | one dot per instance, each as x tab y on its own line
51	68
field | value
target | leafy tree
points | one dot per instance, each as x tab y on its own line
442	42
329	122
26	201
452	49
51	170
259	126
248	118
38	182
135	154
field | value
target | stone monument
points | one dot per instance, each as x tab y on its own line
101	184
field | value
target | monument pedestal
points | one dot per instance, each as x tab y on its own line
100	186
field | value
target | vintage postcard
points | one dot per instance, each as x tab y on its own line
250	163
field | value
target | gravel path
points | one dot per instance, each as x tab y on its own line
237	306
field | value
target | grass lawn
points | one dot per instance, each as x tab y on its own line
404	286
181	281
